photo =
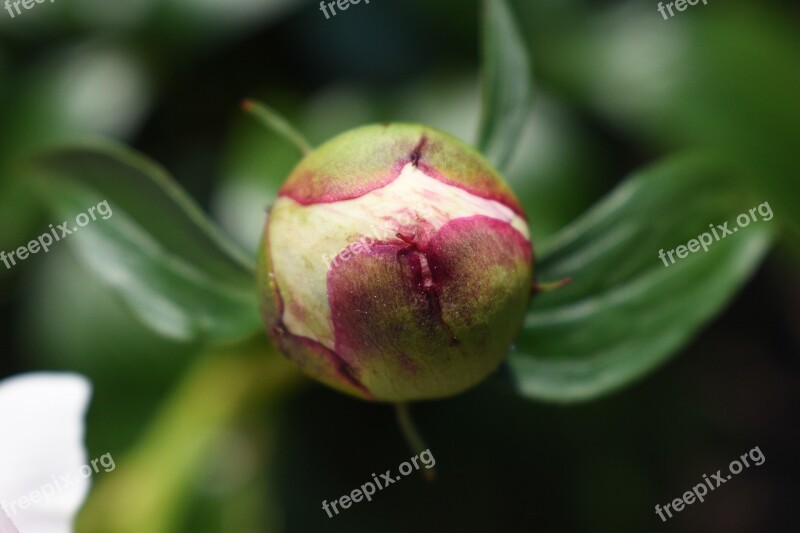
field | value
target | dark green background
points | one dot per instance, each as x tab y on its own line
617	87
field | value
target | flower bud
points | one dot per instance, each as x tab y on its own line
396	265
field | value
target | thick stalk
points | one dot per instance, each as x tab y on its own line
149	489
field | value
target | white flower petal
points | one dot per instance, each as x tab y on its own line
42	451
6	526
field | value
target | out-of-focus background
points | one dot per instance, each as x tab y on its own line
617	87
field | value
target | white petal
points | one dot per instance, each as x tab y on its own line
6	526
41	447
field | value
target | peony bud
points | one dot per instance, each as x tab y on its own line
396	265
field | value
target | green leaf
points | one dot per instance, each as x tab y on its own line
625	312
157	250
506	84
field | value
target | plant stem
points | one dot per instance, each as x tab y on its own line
539	288
150	488
275	122
412	435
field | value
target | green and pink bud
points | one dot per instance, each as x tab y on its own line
396	265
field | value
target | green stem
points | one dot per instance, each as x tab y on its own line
412	435
149	489
539	288
275	122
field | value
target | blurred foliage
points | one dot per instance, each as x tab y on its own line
617	87
177	273
506	84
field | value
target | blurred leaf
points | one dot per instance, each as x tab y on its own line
506	84
625	311
89	88
553	185
725	80
158	251
742	99
89	331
